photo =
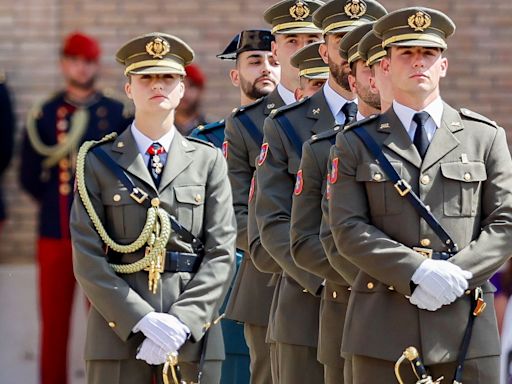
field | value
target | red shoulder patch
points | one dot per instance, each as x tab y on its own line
299	183
328	188
251	190
333	176
263	154
225	149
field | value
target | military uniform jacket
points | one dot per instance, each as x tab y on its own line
466	180
278	166
211	133
251	296
195	189
53	187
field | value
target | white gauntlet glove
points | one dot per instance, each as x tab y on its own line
164	330
151	353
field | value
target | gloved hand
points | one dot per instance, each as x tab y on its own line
442	279
164	330
424	300
151	353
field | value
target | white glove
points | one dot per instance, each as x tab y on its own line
424	300
151	353
442	279
164	330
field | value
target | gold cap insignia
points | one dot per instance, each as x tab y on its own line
419	21
158	48
355	8
299	11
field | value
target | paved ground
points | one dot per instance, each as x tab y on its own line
19	328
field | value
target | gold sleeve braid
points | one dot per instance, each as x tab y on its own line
53	153
156	231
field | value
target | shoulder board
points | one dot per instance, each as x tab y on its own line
327	134
197	140
476	116
211	126
360	122
288	107
243	108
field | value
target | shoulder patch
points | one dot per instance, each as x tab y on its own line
288	107
327	134
360	122
478	117
197	140
243	108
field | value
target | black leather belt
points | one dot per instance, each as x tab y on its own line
174	261
435	255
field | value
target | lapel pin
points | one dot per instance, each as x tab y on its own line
316	111
384	126
120	144
270	106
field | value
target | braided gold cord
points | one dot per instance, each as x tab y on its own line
156	231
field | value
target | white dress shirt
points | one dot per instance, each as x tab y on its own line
287	95
335	102
143	142
405	114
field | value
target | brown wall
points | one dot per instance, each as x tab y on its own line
479	77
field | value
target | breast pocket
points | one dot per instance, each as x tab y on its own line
382	195
190	206
125	217
462	187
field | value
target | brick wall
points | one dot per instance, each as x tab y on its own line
479	76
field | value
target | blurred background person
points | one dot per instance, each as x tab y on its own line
189	113
7	126
55	130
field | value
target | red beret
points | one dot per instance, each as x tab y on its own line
195	75
78	44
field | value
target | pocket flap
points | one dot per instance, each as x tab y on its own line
465	172
374	172
190	194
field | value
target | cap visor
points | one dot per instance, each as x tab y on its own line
292	31
318	76
418	43
157	70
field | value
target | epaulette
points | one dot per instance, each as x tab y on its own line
284	108
211	126
478	117
327	134
128	108
197	140
360	122
246	107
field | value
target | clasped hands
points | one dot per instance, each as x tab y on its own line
439	283
164	333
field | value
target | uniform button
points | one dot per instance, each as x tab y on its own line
305	290
62	137
467	292
370	285
64	163
198	198
467	176
64	189
425	242
64	177
391	288
377	177
155	202
207	325
425	179
116	197
111	324
334	294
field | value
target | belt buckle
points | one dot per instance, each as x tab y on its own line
402	184
138	195
427	252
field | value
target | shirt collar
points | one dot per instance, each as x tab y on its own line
287	95
334	100
405	114
359	116
143	142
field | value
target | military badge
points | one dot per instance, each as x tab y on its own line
316	111
419	21
158	48
251	189
225	145
355	8
299	183
299	11
263	154
333	177
328	189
